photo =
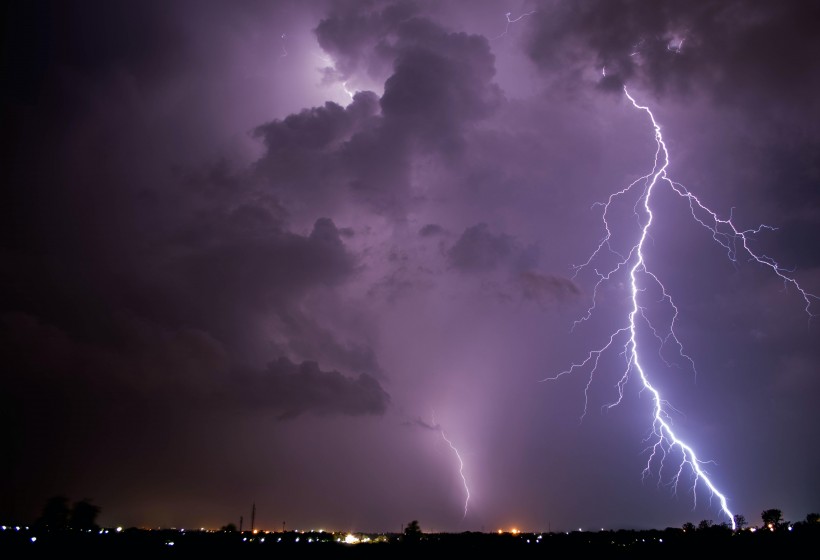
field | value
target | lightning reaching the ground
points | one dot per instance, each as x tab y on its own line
460	471
460	464
664	443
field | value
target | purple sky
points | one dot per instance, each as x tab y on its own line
283	252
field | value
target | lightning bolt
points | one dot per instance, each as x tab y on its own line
460	464
352	94
511	21
663	441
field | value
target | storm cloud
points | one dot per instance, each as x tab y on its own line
246	244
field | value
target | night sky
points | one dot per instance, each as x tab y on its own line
324	257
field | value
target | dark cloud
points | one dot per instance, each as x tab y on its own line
41	37
747	58
296	389
436	82
431	230
156	367
441	82
206	232
739	52
140	361
480	250
337	152
357	35
418	422
265	268
304	148
544	288
308	338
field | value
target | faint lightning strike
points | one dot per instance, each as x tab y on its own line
460	471
725	233
511	21
460	463
330	65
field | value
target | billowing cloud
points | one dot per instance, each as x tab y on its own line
478	249
544	288
233	227
717	47
296	389
430	230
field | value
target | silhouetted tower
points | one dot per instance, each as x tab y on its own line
253	517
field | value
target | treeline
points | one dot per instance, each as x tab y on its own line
64	525
59	514
772	521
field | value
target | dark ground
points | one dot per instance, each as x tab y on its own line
140	543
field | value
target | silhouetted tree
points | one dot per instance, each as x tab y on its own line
813	518
55	514
412	533
740	522
229	528
83	516
772	519
721	528
704	524
688	527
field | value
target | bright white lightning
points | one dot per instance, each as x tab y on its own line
663	439
460	465
351	94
